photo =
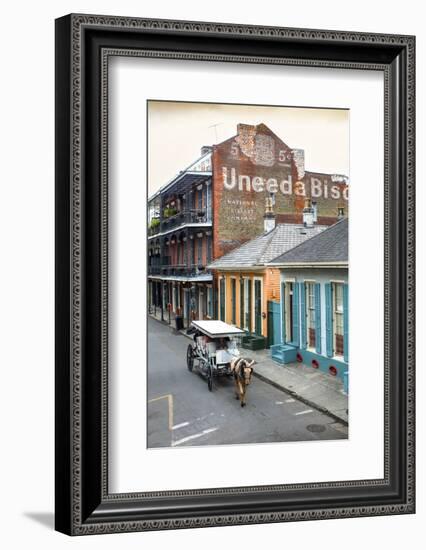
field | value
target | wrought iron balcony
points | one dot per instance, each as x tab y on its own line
154	228
186	217
184	270
153	231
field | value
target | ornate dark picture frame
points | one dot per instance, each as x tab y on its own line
83	45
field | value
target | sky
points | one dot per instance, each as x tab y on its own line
177	131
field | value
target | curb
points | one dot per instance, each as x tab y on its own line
290	392
300	398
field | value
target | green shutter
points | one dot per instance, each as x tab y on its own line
296	314
234	300
329	319
242	303
345	323
249	287
302	289
283	313
317	317
258	308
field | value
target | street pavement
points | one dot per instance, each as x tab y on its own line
182	411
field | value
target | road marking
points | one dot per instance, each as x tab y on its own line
194	436
290	400
183	424
278	402
169	398
303	412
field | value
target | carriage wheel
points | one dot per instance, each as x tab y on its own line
189	358
210	379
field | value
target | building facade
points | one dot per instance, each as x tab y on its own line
216	205
180	244
249	289
315	302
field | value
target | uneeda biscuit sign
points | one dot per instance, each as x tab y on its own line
256	164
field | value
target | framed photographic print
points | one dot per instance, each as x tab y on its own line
234	274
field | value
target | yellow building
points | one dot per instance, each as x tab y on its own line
243	297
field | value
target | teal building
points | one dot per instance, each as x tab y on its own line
315	302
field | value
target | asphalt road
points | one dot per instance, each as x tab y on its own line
181	410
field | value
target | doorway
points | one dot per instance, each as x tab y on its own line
258	307
288	297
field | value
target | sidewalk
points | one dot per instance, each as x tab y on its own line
311	386
315	388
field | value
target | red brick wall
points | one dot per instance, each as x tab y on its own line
260	158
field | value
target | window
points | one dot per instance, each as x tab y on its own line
233	301
192	245
200	251
310	314
210	301
338	318
209	249
315	209
208	203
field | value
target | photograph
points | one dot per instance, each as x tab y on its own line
248	274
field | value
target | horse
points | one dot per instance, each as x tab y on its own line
242	369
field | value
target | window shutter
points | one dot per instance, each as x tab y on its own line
296	314
303	342
345	323
329	319
317	317
282	313
242	304
249	285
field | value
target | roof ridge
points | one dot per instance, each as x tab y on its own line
315	237
247	244
270	236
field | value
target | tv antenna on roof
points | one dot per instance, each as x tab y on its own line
215	129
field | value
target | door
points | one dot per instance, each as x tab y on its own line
201	304
273	323
247	305
258	307
222	298
233	301
288	297
186	306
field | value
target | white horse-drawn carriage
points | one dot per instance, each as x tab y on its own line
215	352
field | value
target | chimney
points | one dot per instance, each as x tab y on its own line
299	161
269	216
340	212
308	214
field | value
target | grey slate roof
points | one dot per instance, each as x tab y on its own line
330	246
264	248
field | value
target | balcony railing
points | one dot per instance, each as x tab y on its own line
184	270
154	270
184	217
154	230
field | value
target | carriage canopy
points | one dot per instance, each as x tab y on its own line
217	329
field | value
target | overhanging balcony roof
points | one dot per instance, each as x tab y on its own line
184	181
187	177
